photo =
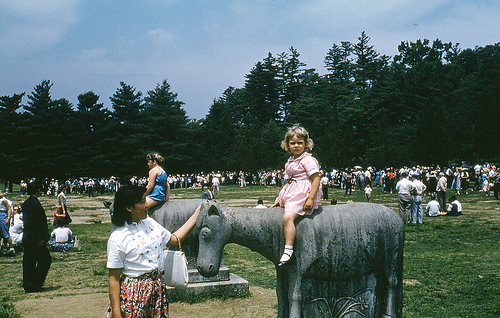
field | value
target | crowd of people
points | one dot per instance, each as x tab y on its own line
80	185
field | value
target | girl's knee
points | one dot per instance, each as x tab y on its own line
289	217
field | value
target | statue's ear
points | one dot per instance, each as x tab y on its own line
213	210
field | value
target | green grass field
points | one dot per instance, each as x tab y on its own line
451	264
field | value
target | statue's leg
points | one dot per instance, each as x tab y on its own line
294	293
282	293
394	286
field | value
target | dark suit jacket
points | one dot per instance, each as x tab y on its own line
35	222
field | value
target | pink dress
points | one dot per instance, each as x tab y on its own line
294	194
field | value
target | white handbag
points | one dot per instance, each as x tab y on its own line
175	267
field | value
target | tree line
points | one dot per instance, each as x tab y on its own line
432	103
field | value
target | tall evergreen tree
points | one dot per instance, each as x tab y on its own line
45	126
91	119
126	135
167	124
262	89
10	138
289	71
127	103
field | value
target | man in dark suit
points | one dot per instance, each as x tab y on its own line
36	259
208	195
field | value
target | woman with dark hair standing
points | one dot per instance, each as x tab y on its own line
135	249
157	189
62	217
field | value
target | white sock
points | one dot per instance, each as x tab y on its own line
287	253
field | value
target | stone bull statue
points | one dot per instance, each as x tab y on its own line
348	258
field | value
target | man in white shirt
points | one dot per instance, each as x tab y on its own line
432	208
441	191
417	211
404	187
216	182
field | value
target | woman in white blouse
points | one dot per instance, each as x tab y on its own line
136	286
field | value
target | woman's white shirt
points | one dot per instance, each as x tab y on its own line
137	248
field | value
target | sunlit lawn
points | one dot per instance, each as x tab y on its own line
451	265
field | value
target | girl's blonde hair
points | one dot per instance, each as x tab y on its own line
155	157
299	132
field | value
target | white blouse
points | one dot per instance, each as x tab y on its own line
137	248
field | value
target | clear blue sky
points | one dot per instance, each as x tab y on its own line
203	47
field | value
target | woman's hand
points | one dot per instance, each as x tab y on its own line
184	230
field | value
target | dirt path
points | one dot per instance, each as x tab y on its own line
262	303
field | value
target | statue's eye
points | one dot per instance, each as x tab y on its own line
204	232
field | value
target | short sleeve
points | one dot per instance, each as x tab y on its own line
165	235
311	165
116	255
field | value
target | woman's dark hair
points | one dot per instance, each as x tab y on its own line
125	197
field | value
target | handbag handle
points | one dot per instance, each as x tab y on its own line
178	241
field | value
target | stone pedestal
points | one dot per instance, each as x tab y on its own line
224	283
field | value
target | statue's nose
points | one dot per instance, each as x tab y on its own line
210	268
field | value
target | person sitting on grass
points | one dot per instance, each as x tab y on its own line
454	208
61	239
432	208
17	226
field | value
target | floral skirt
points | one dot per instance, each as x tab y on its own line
143	296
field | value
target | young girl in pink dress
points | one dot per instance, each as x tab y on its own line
301	193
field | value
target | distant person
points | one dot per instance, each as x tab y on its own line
404	187
61	239
17	226
6	215
368	192
441	191
301	193
348	182
36	259
432	208
157	189
209	194
454	208
496	182
216	183
456	183
260	205
324	186
417	211
64	218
